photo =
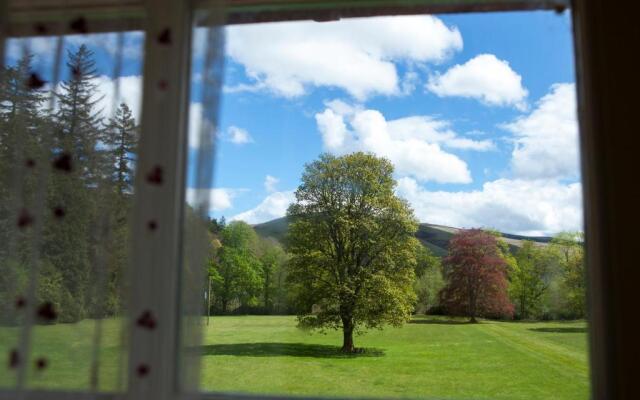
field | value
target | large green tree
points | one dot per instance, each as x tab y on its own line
352	246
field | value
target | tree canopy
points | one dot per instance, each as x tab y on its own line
476	275
352	246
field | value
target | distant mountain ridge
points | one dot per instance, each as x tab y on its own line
434	237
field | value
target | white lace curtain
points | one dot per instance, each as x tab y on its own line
93	141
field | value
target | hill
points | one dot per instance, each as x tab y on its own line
435	237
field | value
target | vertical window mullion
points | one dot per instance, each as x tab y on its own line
158	209
4	19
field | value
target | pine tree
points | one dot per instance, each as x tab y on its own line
70	239
20	131
120	137
78	120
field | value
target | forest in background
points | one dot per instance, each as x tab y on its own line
81	164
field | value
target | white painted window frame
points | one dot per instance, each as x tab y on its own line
156	278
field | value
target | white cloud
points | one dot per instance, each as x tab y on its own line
485	78
273	206
130	92
539	207
270	183
238	136
546	140
356	55
218	199
413	144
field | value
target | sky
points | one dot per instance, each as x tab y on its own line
477	113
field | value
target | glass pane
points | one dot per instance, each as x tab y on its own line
352	159
69	113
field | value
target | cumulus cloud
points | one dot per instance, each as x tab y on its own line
237	135
219	199
528	207
546	140
413	144
273	206
270	183
130	92
485	78
356	55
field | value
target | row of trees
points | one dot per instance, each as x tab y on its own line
247	272
87	161
535	281
483	277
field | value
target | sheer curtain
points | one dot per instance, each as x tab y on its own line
71	146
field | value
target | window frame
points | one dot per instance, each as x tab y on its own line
604	105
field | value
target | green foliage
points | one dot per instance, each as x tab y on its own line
236	269
429	280
528	283
273	260
84	243
120	137
568	249
352	246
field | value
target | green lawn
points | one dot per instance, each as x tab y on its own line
431	357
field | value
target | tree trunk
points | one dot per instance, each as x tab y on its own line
347	337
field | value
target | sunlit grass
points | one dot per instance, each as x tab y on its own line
431	357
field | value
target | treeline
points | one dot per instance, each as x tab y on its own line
87	161
247	273
535	281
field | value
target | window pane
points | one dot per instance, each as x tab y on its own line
70	112
352	160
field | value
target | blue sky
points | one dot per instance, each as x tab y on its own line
476	111
511	114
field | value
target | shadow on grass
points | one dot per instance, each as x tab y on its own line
559	330
284	349
441	322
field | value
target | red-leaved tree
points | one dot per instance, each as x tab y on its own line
476	276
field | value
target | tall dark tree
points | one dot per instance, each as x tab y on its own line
78	119
476	277
70	235
352	246
120	137
20	135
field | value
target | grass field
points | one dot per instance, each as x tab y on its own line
430	357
